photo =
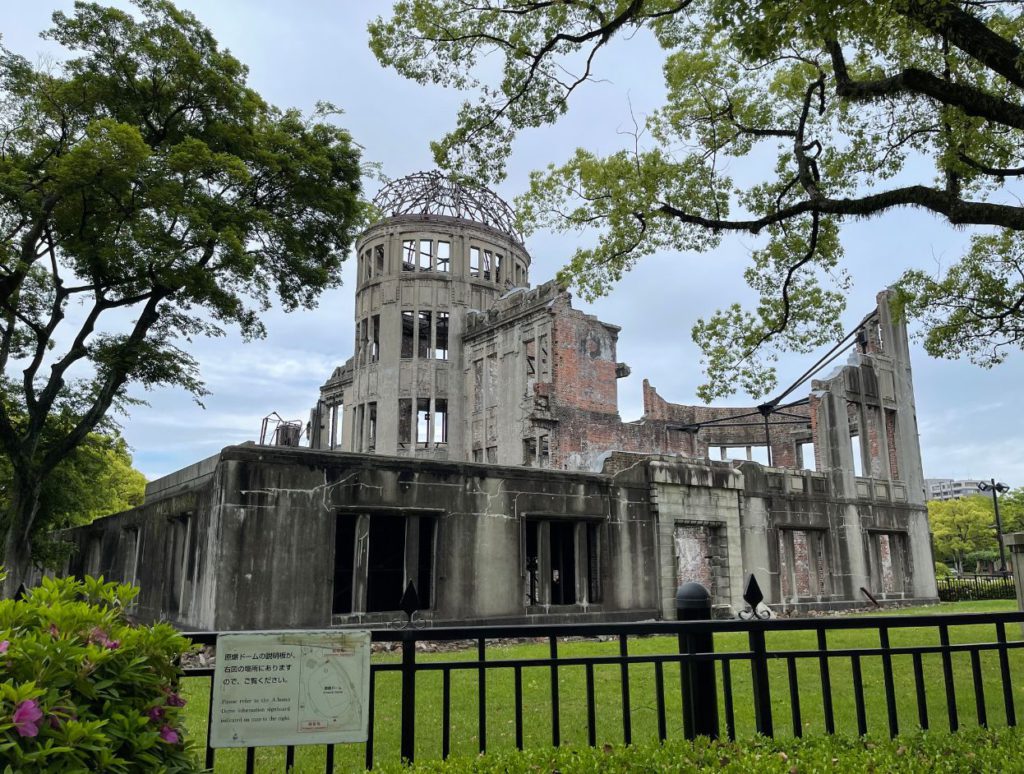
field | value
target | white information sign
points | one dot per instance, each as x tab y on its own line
291	687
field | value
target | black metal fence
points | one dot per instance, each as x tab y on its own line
967	588
609	683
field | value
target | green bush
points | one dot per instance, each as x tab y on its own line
83	689
975	589
967	751
942	570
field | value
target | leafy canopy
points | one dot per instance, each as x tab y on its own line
147	195
867	107
95	479
962	526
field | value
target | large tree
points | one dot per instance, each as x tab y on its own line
95	479
867	107
960	527
147	195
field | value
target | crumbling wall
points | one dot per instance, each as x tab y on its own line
263	542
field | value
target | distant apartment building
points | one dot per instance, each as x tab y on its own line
949	489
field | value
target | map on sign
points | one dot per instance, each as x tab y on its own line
291	687
327	698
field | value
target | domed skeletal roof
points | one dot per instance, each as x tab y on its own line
433	193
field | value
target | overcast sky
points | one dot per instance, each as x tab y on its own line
305	51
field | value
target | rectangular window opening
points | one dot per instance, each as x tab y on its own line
486	266
440	420
543	452
808	458
544	368
474	261
441	337
498	261
492	455
408	333
337	411
530	354
375	338
444	256
858	460
423	340
371	426
425	255
408	255
529	452
423	421
378	258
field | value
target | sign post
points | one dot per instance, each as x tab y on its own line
291	688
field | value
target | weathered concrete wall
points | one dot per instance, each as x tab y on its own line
254	546
808	547
165	548
414	272
256	543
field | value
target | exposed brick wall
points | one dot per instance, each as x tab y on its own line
584	360
890	435
578	408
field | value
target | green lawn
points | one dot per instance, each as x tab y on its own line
573	716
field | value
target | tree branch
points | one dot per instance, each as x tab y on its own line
969	34
913	80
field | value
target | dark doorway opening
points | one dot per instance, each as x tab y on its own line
344	564
563	563
386	565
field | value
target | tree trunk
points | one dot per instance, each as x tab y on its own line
17	558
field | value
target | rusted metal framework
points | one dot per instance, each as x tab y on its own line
433	193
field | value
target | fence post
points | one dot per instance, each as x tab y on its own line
762	691
408	696
700	693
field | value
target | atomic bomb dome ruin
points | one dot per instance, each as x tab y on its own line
471	446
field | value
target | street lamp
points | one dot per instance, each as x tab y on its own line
995	488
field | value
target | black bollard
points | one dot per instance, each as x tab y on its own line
697	678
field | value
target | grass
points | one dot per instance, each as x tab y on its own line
643	714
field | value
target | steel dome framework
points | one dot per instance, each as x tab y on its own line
433	193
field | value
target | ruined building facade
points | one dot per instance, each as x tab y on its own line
472	446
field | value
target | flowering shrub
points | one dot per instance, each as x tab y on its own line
83	689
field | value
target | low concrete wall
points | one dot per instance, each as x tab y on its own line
261	539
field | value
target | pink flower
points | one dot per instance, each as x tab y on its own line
169	735
26	718
112	644
4	645
54	631
174	700
156	714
